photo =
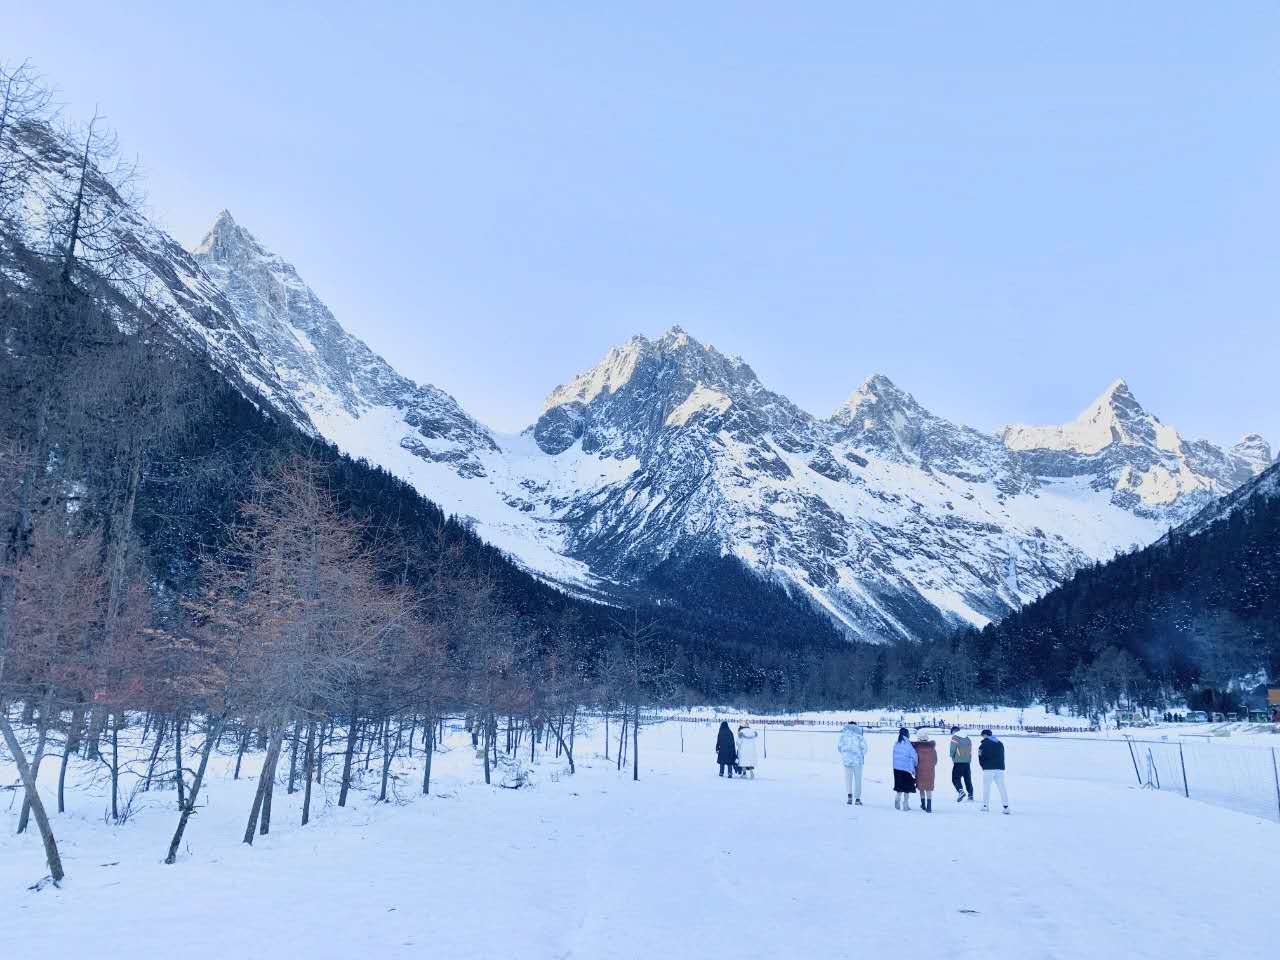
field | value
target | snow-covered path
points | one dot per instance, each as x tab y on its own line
682	864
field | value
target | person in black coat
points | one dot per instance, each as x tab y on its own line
726	749
991	759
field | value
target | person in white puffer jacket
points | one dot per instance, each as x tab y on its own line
853	752
747	750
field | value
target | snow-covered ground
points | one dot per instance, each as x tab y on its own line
680	865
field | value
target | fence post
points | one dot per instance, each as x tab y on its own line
1134	757
1182	760
766	742
1275	770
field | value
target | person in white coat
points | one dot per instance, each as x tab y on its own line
853	752
747	753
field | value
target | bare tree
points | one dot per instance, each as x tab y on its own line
24	99
647	674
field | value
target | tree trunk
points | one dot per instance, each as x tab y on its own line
241	747
72	744
388	754
306	773
373	734
558	729
293	754
94	733
428	748
39	756
155	753
177	754
320	742
635	745
37	807
485	744
264	782
213	731
352	726
265	827
115	767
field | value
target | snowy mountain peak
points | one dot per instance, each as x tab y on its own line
877	397
1253	448
675	351
882	419
335	376
224	237
1115	417
1147	464
647	385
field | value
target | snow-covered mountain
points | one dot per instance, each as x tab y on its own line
894	519
331	374
1145	464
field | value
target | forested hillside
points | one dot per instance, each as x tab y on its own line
1196	613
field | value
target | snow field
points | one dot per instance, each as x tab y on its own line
681	865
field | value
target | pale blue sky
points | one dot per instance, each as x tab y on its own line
1002	207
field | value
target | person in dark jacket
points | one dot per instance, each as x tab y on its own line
726	749
991	760
961	751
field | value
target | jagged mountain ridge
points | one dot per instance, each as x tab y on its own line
159	280
326	369
895	520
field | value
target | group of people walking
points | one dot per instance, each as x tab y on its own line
915	763
737	754
915	766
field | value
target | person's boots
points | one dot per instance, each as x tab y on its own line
906	801
931	804
897	801
849	801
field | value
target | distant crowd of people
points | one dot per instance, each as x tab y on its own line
915	763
